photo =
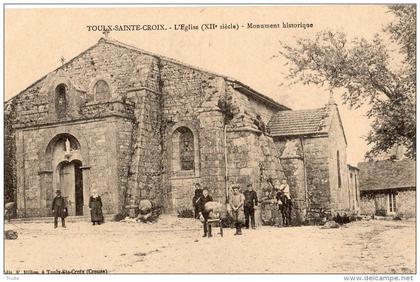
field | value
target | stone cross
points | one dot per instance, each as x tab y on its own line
106	32
62	60
331	100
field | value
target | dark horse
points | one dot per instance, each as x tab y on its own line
285	207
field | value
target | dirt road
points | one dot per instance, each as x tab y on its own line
176	246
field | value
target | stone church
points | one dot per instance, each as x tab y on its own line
136	125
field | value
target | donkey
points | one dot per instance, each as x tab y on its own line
285	204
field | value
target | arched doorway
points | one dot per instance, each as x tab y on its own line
70	182
67	172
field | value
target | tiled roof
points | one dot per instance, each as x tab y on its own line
300	122
379	175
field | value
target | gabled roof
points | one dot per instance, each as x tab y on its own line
300	122
236	84
388	174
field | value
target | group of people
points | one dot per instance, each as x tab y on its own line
59	208
241	205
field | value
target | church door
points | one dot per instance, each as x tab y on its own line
71	186
78	193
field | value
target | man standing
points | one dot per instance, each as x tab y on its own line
198	188
59	209
251	201
236	203
284	187
196	201
203	213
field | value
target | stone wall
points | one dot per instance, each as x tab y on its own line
246	110
189	99
252	160
340	194
406	203
252	157
123	69
289	152
266	112
310	157
372	202
367	204
314	162
144	176
100	141
124	131
316	154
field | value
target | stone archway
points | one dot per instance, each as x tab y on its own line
174	135
65	171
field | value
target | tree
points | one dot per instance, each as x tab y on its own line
10	180
367	73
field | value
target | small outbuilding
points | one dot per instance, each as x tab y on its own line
388	188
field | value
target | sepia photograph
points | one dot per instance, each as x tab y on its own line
210	139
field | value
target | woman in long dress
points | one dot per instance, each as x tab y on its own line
95	205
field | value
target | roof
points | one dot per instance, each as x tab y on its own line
388	174
300	122
237	84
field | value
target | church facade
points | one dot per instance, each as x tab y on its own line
135	125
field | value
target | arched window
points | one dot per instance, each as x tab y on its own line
186	149
61	100
183	150
101	91
338	169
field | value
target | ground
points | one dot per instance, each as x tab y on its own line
175	246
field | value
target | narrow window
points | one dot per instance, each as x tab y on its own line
101	91
355	181
186	149
61	100
338	169
391	202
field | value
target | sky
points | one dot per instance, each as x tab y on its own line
36	39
